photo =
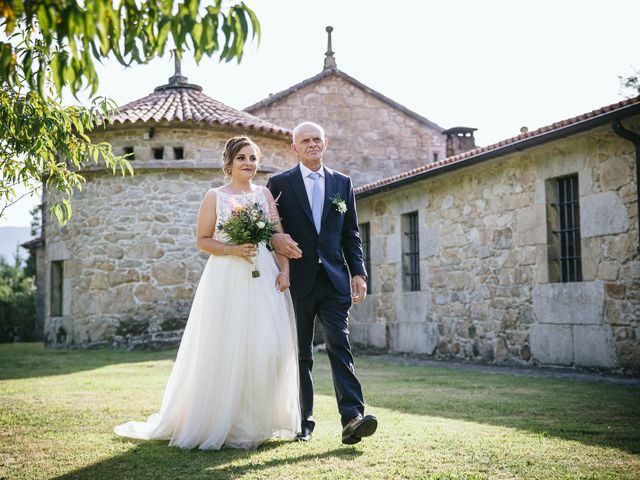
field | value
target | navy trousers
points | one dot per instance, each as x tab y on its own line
331	309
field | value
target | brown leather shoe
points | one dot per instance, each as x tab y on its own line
359	427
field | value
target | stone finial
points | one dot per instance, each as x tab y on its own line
178	64
329	60
177	78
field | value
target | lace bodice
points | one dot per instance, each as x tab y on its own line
226	202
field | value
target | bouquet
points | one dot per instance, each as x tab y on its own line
247	223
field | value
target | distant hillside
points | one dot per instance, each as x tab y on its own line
10	238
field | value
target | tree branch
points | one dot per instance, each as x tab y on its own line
9	203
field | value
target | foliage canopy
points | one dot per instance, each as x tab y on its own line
49	47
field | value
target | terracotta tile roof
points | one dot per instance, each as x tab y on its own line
334	71
551	132
34	243
186	102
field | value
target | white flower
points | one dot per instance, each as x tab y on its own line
339	203
260	224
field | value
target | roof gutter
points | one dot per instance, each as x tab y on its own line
524	144
635	139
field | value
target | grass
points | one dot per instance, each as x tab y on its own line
57	409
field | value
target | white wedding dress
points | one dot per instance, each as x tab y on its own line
235	379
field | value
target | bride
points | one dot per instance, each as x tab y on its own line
235	379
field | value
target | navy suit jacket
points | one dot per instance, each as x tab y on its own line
338	245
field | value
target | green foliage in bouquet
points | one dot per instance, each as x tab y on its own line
247	224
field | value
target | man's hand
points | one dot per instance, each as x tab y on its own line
285	245
358	289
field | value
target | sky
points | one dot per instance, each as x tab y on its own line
495	65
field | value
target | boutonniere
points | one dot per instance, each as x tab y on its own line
340	204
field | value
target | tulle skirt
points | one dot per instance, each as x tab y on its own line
235	379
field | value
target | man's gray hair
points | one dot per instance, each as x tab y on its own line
306	124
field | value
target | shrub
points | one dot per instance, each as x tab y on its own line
17	303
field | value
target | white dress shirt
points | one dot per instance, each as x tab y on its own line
308	182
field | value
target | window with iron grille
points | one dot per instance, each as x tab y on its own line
365	236
563	217
57	274
410	252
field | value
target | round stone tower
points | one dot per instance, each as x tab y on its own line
123	270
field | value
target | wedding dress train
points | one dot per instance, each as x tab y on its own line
235	379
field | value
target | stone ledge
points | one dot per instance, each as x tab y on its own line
552	344
414	337
594	346
175	165
575	303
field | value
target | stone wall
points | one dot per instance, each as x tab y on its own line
485	291
202	144
368	138
129	251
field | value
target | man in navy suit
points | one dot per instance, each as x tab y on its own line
318	212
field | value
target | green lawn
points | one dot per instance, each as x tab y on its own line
57	409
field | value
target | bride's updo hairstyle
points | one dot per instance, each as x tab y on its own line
231	149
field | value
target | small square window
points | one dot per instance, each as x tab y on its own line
178	153
129	151
435	156
158	153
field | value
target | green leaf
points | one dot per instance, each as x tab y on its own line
56	210
240	29
255	24
196	37
56	72
42	13
40	78
163	32
244	28
192	6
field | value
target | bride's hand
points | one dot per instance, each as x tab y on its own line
282	281
246	251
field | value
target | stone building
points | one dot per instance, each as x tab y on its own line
123	270
526	251
370	135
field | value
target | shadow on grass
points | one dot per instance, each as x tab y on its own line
154	460
589	413
29	360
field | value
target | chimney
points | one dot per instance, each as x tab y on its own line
459	139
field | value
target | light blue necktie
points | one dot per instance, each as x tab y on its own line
316	200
